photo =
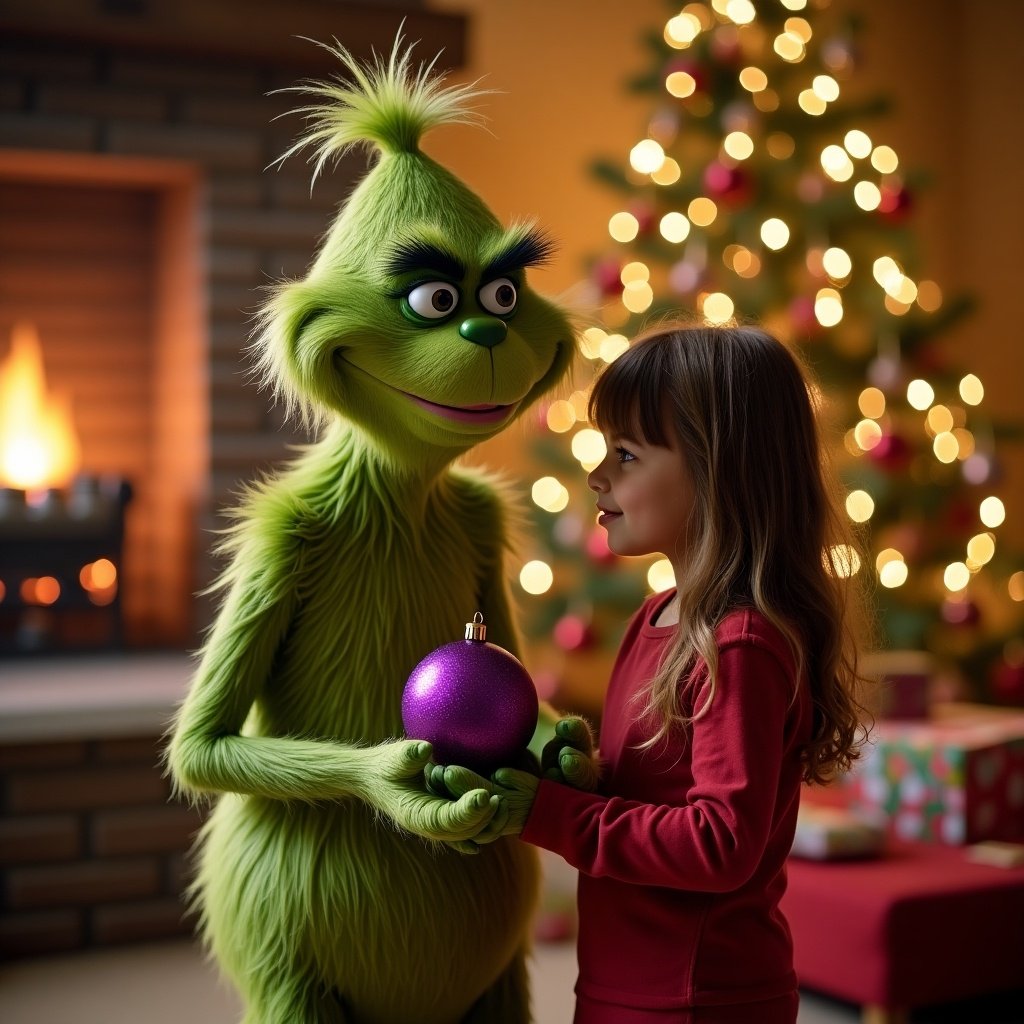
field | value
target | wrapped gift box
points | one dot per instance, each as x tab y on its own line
835	833
956	778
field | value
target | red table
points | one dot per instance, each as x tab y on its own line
921	924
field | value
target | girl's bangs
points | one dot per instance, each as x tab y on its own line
628	401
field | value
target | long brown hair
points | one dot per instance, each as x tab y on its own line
767	529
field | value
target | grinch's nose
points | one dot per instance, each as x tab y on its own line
484	330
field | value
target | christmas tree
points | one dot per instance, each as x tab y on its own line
760	193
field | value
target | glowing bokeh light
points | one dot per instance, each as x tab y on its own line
860	506
674	227
971	390
871	402
550	494
956	576
920	394
536	577
623	227
661	576
992	512
775	233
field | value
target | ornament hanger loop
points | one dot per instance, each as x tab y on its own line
476	630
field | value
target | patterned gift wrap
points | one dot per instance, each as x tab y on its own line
957	778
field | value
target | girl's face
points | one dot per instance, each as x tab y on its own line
645	497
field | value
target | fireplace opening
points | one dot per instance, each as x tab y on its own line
100	312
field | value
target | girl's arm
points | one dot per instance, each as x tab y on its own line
715	837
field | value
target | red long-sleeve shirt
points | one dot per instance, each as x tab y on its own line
682	852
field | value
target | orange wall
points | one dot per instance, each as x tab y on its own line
561	66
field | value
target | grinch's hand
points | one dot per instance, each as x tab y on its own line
570	758
453	782
398	790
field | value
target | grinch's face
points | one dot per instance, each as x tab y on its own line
432	346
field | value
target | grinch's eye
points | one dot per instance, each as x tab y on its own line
434	300
498	297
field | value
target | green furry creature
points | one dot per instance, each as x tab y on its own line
332	885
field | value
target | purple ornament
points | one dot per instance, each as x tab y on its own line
473	700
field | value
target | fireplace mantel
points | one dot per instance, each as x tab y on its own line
238	28
45	700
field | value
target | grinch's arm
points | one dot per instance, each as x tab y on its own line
208	751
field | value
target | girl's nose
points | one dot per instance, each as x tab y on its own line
596	480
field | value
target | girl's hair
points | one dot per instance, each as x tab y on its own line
767	528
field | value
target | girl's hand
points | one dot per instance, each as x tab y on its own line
570	757
517	791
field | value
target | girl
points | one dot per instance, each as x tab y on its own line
727	692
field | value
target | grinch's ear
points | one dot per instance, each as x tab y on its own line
293	345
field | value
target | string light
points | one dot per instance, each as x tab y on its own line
836	163
884	159
674	227
956	576
661	576
871	402
536	577
702	211
681	30
775	233
891	568
971	390
1015	586
860	506
857	143
980	550
550	494
588	447
992	512
623	227
753	79
646	156
738	145
867	195
790	47
718	308
867	434
828	307
920	394
837	263
681	84
668	173
842	560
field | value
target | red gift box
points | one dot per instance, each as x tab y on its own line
956	778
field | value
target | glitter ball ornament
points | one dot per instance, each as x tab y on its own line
473	700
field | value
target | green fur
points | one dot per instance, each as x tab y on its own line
329	883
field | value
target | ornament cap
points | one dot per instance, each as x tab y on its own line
476	630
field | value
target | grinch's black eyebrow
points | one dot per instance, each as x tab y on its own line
530	250
414	255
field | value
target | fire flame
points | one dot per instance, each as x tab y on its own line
38	444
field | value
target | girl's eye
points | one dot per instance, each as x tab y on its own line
498	297
624	455
433	300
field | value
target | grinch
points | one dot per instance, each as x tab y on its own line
333	884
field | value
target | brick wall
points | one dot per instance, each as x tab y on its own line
92	848
139	83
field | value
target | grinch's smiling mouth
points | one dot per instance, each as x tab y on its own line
464	414
483	415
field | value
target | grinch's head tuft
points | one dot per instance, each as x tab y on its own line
415	321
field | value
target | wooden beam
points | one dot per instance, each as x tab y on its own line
267	31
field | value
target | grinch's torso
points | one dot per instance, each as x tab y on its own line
402	929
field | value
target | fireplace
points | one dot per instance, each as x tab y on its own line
137	227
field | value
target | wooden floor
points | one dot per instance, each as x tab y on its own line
170	983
